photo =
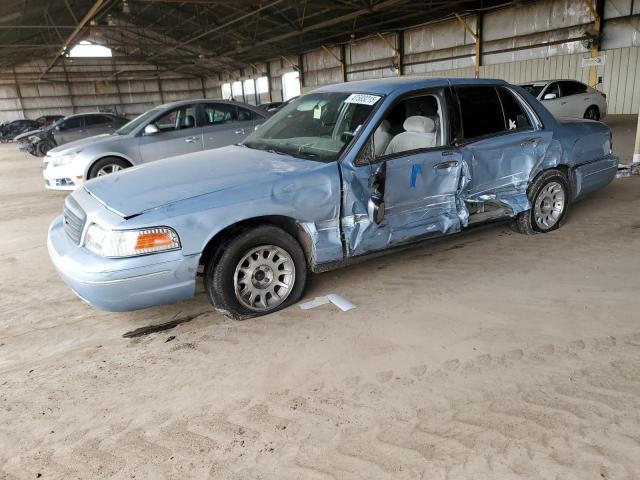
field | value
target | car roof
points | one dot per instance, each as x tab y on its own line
210	100
386	86
88	114
544	82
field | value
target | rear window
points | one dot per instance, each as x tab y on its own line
220	113
92	120
481	111
514	115
572	88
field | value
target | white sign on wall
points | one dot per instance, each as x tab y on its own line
594	62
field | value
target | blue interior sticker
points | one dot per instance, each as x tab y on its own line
416	168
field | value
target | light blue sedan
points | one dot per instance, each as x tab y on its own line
346	171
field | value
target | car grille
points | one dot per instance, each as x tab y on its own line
74	218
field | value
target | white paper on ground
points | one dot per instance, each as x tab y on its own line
316	302
341	302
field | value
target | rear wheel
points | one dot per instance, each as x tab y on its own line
107	165
549	198
259	271
592	113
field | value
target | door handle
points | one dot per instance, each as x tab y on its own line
531	142
563	103
190	139
240	131
445	165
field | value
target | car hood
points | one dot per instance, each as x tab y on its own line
17	138
164	182
79	145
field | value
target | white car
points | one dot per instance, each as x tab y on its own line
569	98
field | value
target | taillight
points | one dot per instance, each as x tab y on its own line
610	141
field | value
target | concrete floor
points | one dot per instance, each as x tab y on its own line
488	355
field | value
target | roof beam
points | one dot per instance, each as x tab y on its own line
88	16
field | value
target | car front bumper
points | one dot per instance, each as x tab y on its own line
64	177
121	284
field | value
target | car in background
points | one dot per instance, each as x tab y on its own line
348	170
569	98
46	120
69	129
270	106
168	130
12	129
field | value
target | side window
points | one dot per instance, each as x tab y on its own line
481	111
413	124
553	88
95	120
70	123
514	115
244	114
572	88
220	113
178	119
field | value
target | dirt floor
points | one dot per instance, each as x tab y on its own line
488	355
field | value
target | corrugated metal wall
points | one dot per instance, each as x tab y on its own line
525	42
90	85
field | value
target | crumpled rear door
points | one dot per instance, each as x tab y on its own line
501	166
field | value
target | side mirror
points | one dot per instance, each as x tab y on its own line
58	128
375	205
375	210
550	96
151	129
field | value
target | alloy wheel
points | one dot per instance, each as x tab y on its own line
107	169
264	277
549	205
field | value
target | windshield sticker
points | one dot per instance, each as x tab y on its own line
362	99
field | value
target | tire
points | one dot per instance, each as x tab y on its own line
43	147
545	194
107	165
240	266
592	113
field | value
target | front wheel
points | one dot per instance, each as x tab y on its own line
259	271
43	147
107	165
549	198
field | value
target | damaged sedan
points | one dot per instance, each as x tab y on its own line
347	171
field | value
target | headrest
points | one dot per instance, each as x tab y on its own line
419	124
189	121
384	126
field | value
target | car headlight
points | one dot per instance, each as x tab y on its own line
63	159
130	243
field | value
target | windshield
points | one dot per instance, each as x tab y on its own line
127	128
317	126
534	88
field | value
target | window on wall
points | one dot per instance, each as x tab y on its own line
249	91
249	87
262	85
226	91
236	89
290	85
